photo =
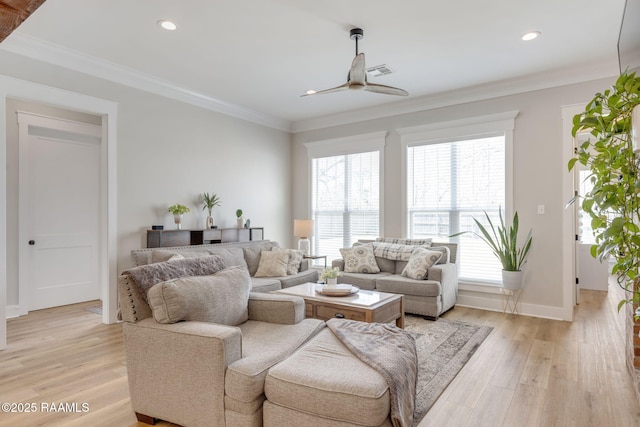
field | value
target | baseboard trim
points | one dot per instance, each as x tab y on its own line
492	303
14	311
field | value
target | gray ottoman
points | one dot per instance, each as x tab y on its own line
324	385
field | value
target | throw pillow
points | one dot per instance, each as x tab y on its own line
295	259
272	264
219	298
414	242
392	251
421	260
360	259
446	253
145	276
252	254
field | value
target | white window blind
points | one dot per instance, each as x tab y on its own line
345	201
449	184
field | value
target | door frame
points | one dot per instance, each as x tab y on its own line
11	87
568	216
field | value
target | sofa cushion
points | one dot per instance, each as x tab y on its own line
220	298
362	280
272	264
231	256
295	259
305	276
359	259
397	284
324	378
163	256
252	254
145	276
421	260
263	346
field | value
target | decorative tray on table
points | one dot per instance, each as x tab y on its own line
336	290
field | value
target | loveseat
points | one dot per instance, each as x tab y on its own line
429	289
199	345
245	254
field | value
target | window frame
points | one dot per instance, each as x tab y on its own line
355	144
455	130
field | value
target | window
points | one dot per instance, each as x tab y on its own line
345	201
345	191
453	175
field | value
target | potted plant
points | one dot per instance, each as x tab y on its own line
209	201
612	158
239	217
503	242
330	275
178	210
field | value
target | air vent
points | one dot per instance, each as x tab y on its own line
379	70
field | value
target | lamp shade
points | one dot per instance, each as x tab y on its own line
303	227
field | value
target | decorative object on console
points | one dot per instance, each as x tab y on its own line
178	210
209	201
330	275
239	217
303	228
503	242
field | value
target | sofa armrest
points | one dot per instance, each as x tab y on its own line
447	275
338	263
186	359
305	264
272	308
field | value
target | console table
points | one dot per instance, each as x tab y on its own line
166	238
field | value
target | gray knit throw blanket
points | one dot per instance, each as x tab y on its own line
145	276
392	352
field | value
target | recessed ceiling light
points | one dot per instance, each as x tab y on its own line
311	92
167	25
531	35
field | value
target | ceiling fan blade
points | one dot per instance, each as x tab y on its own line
387	90
333	89
357	73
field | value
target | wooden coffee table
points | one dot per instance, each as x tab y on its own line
365	306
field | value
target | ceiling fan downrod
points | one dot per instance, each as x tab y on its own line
356	34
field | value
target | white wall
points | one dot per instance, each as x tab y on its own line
168	152
538	172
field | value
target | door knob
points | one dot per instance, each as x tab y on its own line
32	242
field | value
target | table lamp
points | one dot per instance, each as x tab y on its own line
303	228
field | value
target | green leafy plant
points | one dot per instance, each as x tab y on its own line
178	209
239	213
503	242
330	273
209	201
614	201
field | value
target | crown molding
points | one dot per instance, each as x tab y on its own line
540	81
42	50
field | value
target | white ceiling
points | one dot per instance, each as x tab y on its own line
256	57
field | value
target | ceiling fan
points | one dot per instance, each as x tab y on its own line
357	77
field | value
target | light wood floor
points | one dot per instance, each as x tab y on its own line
529	371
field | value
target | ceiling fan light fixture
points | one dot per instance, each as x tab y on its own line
532	35
167	25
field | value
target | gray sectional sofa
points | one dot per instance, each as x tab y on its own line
245	254
429	297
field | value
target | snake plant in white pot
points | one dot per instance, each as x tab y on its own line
503	242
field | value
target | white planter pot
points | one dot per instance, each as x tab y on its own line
240	222
332	281
511	279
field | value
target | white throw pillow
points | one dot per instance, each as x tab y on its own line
360	259
272	264
421	260
295	259
219	298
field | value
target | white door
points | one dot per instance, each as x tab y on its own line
59	192
590	272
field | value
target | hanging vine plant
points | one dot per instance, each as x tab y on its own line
614	202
